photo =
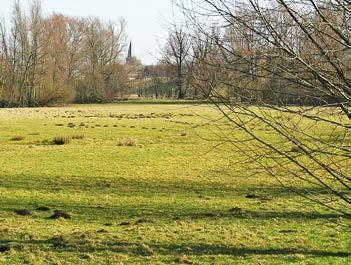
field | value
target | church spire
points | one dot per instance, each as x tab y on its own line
130	54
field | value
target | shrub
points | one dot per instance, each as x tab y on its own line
61	140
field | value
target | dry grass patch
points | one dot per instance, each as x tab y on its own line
71	125
145	250
185	260
127	142
17	138
78	137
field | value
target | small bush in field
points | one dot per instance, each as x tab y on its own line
127	142
61	140
17	138
78	137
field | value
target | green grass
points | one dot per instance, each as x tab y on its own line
170	198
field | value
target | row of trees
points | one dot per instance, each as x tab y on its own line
56	58
273	54
256	46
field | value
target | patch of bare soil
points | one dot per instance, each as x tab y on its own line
23	212
60	214
4	248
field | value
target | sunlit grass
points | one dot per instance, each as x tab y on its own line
169	198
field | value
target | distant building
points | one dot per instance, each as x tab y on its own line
134	66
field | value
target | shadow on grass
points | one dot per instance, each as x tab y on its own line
191	205
149	187
169	249
170	213
266	215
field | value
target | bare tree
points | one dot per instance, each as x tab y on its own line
176	54
287	67
158	81
103	45
55	58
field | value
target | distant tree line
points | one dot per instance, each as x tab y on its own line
280	61
56	59
158	82
52	59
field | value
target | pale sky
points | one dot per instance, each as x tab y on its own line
146	19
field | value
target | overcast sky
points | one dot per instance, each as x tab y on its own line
146	19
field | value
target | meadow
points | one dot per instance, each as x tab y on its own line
147	184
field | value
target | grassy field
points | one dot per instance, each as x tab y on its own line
142	184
